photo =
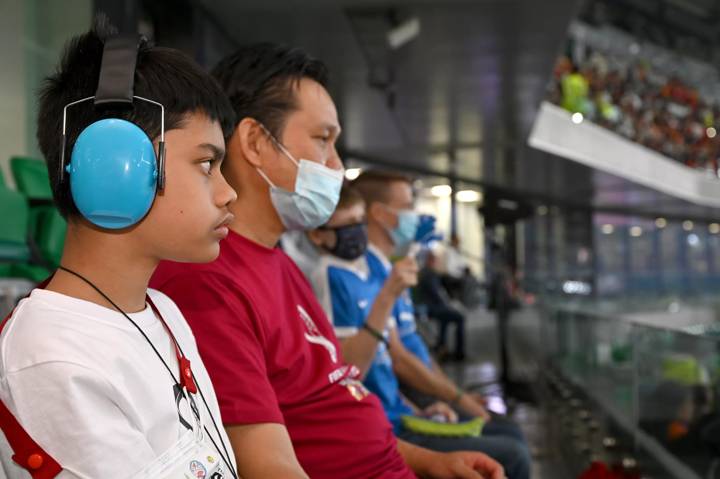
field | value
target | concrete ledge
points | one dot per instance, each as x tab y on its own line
600	148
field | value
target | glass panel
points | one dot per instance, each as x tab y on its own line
657	375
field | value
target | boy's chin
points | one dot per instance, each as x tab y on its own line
205	255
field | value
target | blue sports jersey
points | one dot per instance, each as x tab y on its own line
403	311
347	292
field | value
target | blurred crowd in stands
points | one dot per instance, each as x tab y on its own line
658	111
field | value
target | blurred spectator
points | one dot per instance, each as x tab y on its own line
455	265
575	87
433	294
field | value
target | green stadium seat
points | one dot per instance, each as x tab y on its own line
50	235
31	178
32	272
46	228
14	212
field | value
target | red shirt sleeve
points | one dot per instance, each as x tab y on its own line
231	340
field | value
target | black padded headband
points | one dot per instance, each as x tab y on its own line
117	70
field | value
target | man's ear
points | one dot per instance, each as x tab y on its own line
376	213
322	238
252	140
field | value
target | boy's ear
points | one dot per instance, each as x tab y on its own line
252	140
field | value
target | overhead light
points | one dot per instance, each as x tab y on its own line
508	204
404	33
688	225
636	232
577	287
607	229
693	239
467	196
352	173
714	228
711	132
542	210
577	118
661	223
441	191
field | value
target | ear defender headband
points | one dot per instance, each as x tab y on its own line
114	172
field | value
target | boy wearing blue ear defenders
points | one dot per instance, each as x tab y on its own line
100	376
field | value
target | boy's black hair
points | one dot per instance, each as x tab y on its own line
260	80
162	74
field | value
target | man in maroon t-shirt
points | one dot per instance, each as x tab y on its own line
290	404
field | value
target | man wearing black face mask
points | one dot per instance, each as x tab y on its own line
360	318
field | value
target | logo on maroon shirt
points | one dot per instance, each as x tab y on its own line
356	388
314	336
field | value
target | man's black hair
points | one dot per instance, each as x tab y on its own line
260	80
163	75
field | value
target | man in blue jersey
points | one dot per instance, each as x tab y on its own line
364	297
392	227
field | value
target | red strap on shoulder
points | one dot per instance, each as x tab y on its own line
26	452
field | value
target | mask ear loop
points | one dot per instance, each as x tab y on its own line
265	177
279	145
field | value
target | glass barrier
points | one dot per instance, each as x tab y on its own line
657	378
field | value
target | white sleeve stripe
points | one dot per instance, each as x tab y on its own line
343	332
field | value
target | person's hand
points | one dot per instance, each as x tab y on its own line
441	409
403	275
479	398
468	402
463	465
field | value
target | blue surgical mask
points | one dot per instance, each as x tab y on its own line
404	233
317	191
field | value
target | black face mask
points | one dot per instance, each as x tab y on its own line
351	241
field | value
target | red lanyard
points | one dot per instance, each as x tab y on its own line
186	376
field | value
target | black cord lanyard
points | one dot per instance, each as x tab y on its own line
187	376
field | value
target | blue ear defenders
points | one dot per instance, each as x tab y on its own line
114	172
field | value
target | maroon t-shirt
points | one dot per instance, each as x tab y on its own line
273	357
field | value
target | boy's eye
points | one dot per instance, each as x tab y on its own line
207	165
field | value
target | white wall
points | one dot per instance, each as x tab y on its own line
470	227
32	35
13	114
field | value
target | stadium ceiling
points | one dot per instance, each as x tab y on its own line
457	99
690	26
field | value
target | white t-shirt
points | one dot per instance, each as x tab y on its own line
455	262
89	389
298	246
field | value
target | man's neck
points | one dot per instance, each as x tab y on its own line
110	264
380	239
255	216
